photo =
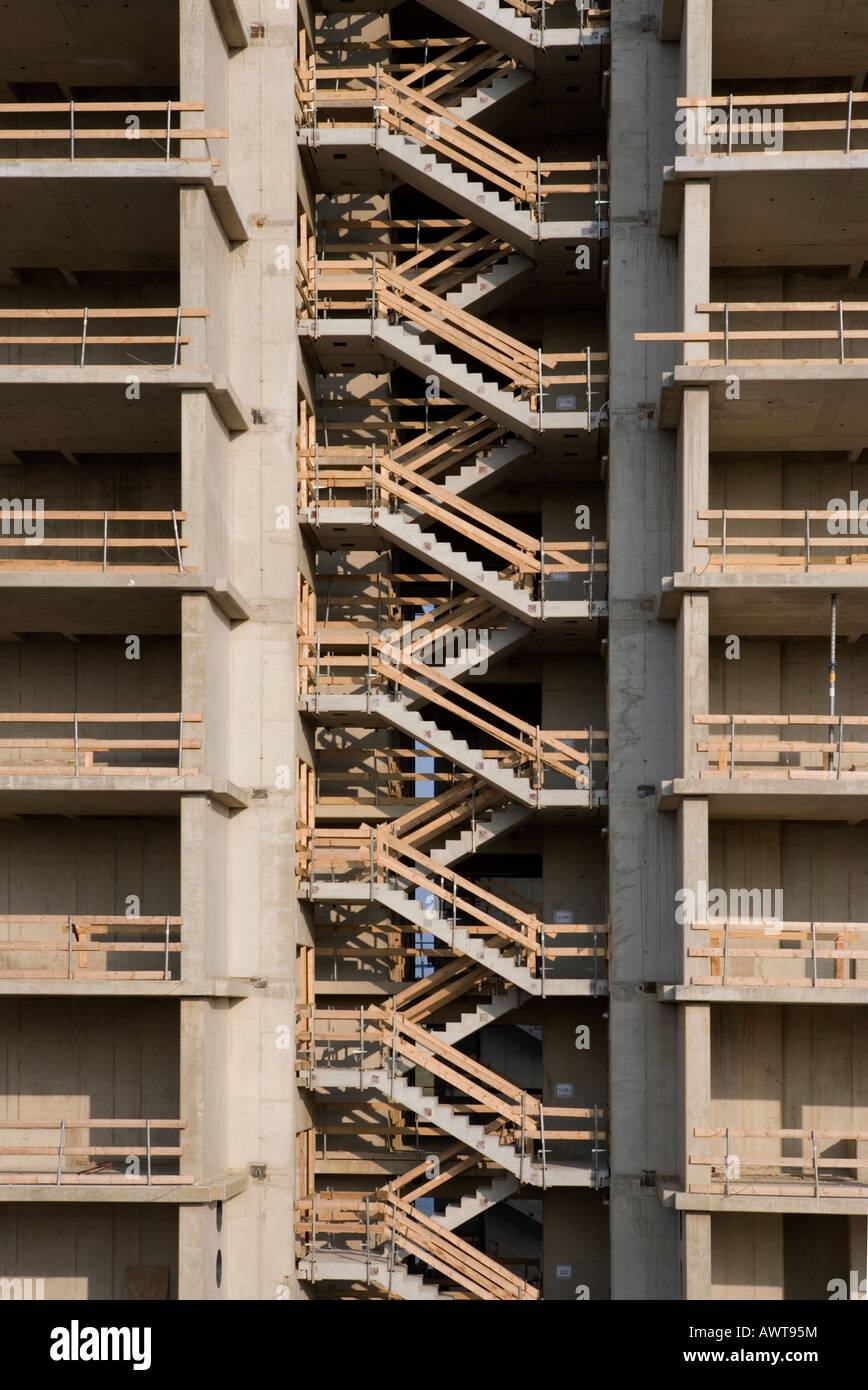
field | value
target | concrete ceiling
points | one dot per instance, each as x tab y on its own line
91	42
80	418
53	608
789	218
790	38
97	224
780	408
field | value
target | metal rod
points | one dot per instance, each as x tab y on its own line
814	952
75	740
726	1166
168	131
361	1047
72	130
807	540
591	762
69	965
60	1150
177	351
729	127
104	541
368	1238
542	1139
849	122
816	1163
723	545
166	956
726	333
538	759
732	746
840	741
180	742
373	292
833	666
177	541
725	948
588	384
538	196
542	964
371	853
591	574
83	337
539	388
841	328
542	576
148	1147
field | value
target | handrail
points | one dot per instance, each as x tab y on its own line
843	540
86	339
88	936
750	112
99	1176
28	532
744	756
839	335
740	1175
782	942
398	106
83	750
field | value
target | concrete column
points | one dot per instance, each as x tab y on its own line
693	687
696	51
693	465
693	849
694	246
696	1255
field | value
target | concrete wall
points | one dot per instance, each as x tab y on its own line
92	1251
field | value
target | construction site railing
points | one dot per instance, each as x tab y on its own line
397	107
84	341
90	946
839	337
740	125
374	1228
78	124
372	1041
27	528
817	955
750	1169
821	539
42	755
380	669
142	1163
771	753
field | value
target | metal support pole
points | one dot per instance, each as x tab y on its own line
814	952
177	351
726	334
833	667
725	949
166	954
377	109
729	126
726	1166
723	544
373	481
361	1047
168	131
83	337
849	138
373	292
69	952
841	328
177	541
318	664
732	746
807	540
591	574
371	858
542	1139
840	742
148	1147
539	389
313	1238
542	576
542	961
590	761
368	1238
538	759
588	383
180	742
816	1163
104	541
538	195
72	130
75	740
60	1150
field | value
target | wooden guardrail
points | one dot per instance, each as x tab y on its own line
820	1174
838	336
520	744
86	339
81	128
771	754
799	544
68	1149
42	755
803	950
365	1039
374	1227
23	519
741	122
90	945
397	106
387	484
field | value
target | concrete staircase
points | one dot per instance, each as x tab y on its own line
518	35
493	287
490	645
348	1267
476	1203
492	98
489	826
489	466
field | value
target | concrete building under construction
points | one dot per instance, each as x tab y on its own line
435	631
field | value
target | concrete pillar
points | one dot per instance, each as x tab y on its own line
693	849
693	687
696	1255
693	465
694	245
695	1043
696	50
